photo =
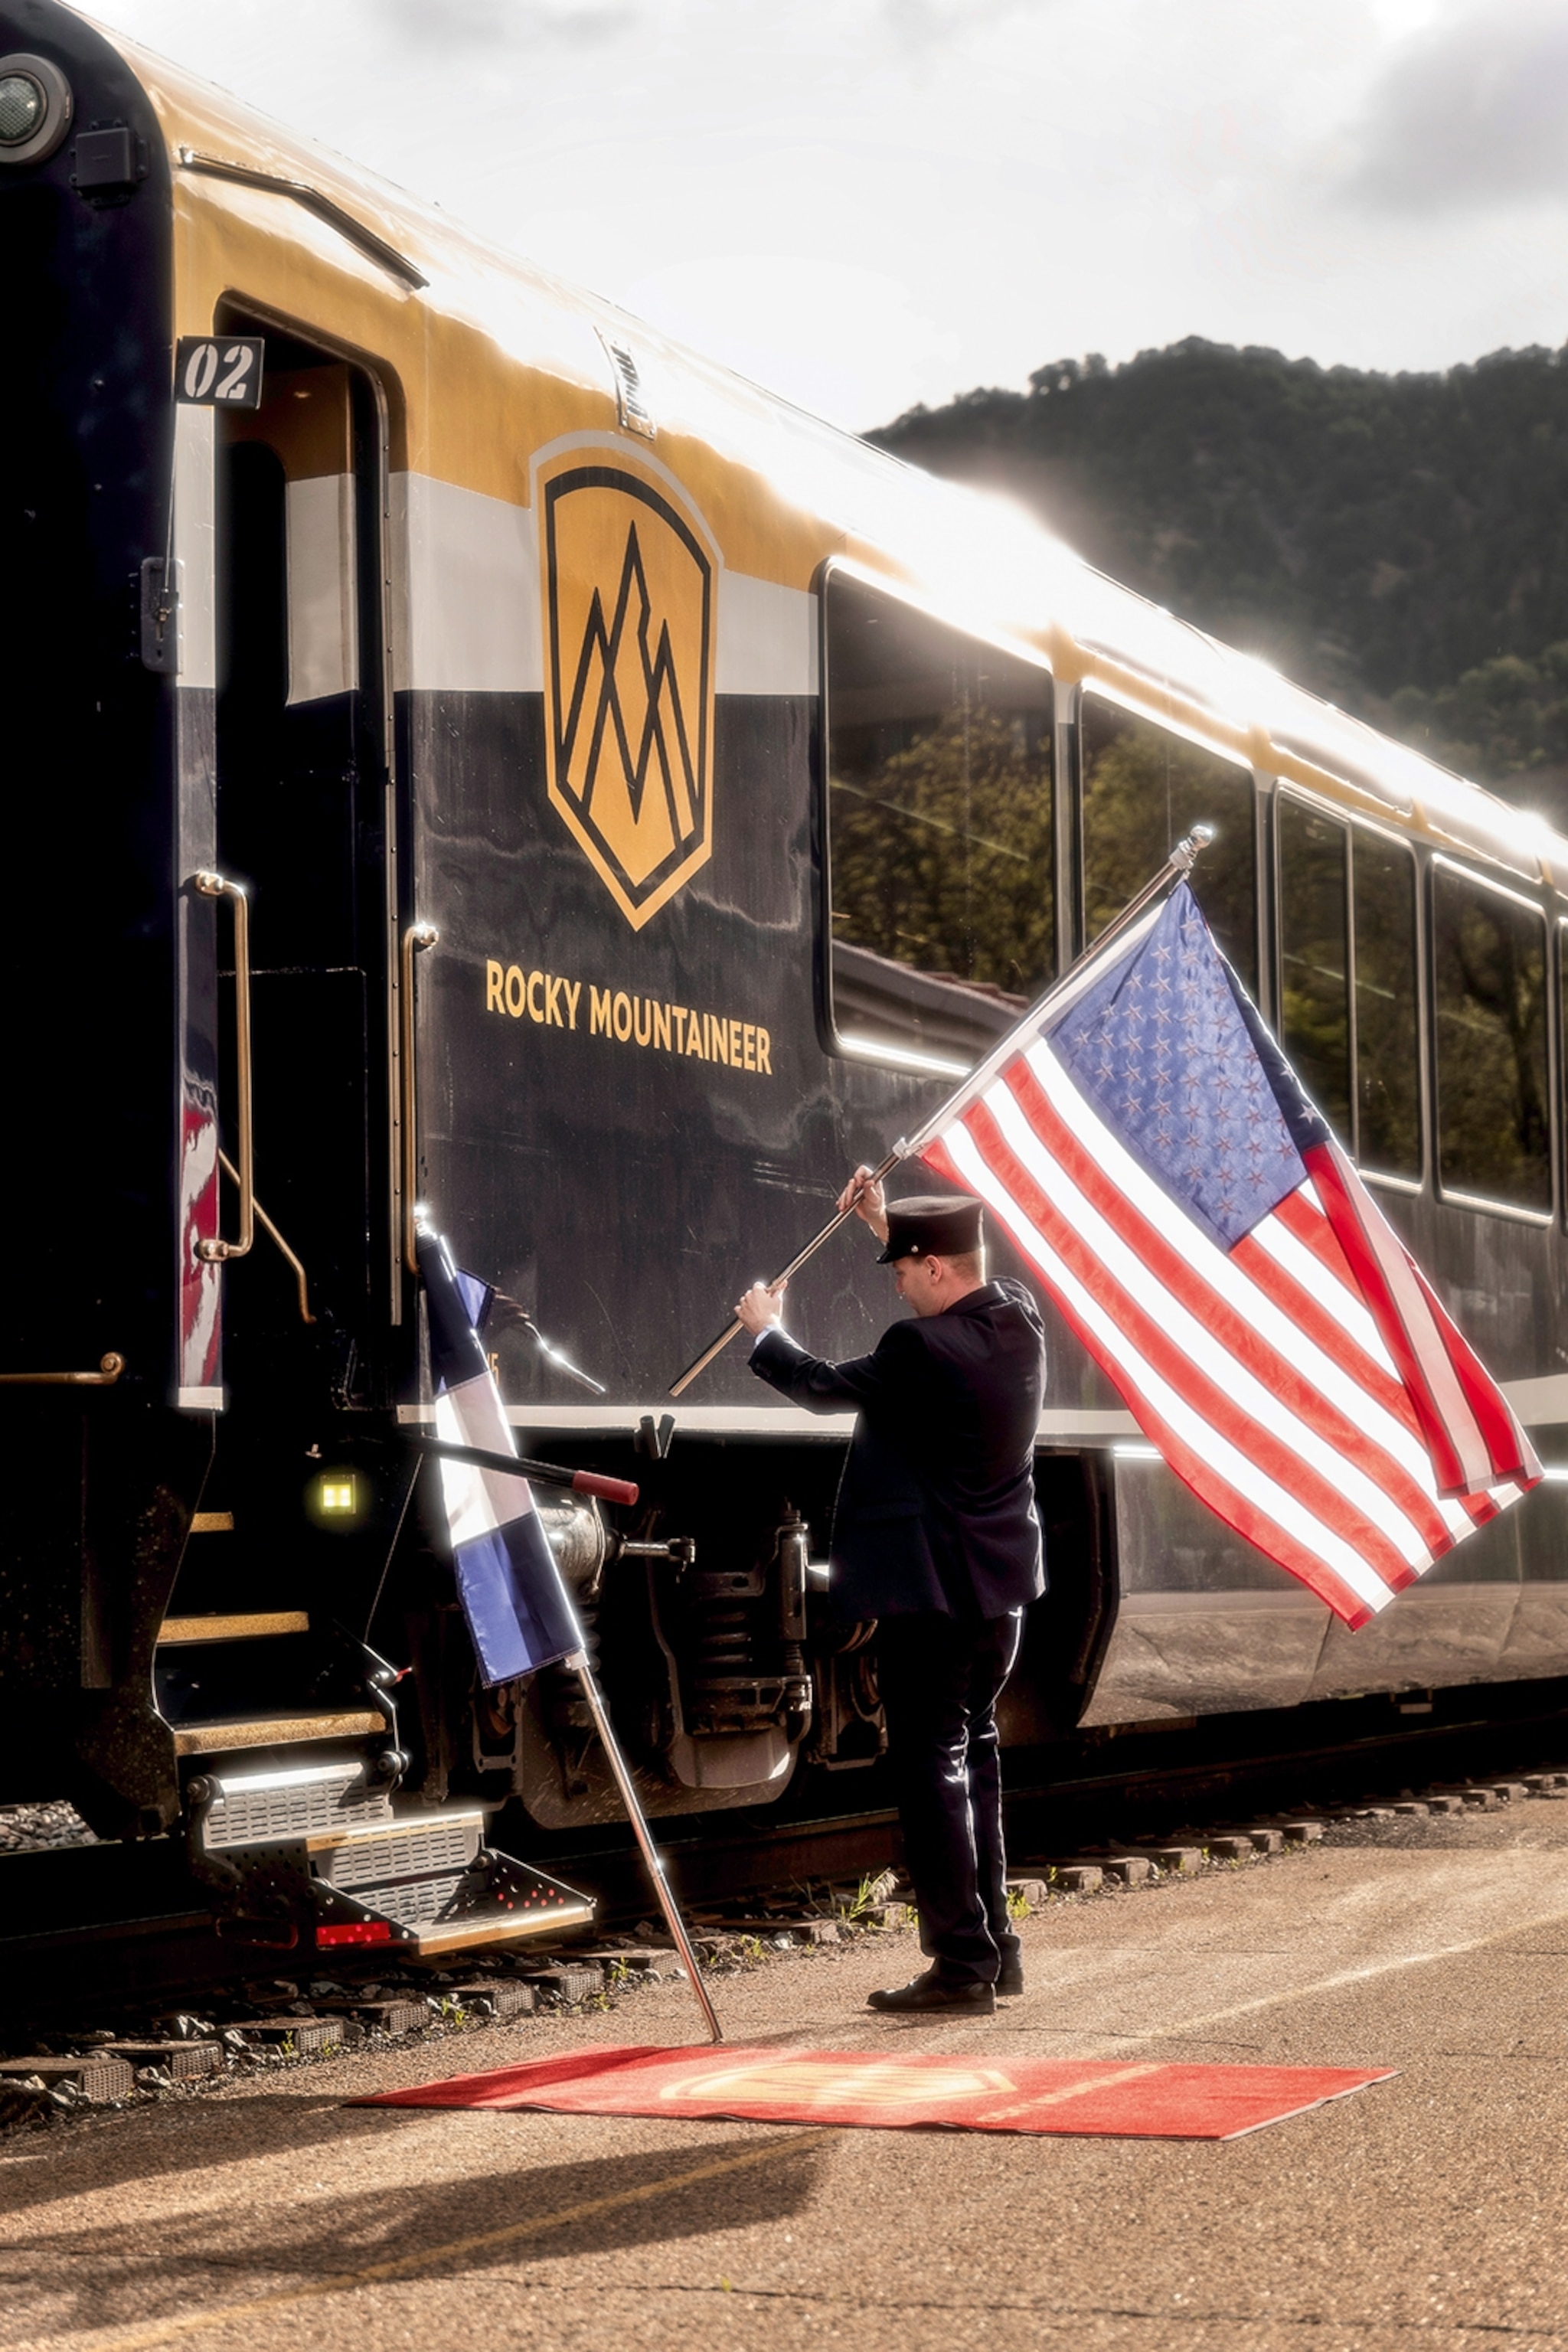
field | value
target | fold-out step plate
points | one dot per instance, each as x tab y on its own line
499	1900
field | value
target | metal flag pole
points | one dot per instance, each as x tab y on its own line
1176	866
579	1664
616	1490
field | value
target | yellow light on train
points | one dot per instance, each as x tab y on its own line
334	1498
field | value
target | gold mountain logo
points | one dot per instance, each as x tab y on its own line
629	600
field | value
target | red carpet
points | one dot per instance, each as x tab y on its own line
1126	2098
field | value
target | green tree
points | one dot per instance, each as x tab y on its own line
1398	543
942	852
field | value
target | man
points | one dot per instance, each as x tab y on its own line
935	1535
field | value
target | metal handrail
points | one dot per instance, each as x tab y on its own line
109	1368
325	207
416	938
214	1252
265	1222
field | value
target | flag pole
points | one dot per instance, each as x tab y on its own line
578	1664
1176	867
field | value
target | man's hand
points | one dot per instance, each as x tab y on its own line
760	1310
864	1195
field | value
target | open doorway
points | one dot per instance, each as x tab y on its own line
304	820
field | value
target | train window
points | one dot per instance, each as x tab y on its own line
1347	982
940	866
1144	788
1387	1046
1489	953
1563	1054
1314	956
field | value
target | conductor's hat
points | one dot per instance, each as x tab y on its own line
936	1226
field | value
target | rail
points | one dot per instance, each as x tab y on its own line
415	940
215	1251
325	207
264	1221
109	1368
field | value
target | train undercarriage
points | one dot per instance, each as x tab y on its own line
261	1657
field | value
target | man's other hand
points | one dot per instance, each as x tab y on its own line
760	1310
864	1195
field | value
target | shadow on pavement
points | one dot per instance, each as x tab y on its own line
138	2270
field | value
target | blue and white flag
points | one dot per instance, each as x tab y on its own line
517	1609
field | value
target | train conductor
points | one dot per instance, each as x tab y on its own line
936	1536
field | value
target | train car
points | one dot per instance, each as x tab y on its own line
469	757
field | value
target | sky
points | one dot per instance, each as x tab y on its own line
868	203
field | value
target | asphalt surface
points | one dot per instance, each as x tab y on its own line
1430	2212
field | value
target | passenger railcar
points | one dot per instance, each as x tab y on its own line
462	748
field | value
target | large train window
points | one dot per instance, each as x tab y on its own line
1314	957
1348	1016
1144	788
939	867
1387	1030
1562	1059
1489	953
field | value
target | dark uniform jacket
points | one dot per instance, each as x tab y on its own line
936	1506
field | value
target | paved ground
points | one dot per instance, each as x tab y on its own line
1431	2211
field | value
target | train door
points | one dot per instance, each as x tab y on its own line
274	1586
303	803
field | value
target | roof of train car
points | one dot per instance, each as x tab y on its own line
974	558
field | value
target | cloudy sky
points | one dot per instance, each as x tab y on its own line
869	203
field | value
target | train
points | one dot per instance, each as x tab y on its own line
470	759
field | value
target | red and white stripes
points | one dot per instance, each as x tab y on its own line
1322	1404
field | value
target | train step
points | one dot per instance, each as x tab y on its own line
494	1901
232	1736
182	1633
325	1836
365	1853
295	1802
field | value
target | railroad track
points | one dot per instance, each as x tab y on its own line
85	1918
149	2053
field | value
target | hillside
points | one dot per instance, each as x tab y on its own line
1399	543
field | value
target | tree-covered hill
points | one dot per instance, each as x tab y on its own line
1399	543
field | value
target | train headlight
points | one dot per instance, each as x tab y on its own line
35	108
22	108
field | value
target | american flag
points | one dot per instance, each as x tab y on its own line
518	1615
1157	1163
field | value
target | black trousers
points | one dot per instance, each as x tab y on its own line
941	1678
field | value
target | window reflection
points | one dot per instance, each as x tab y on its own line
1143	789
1489	970
940	827
1388	1060
1314	958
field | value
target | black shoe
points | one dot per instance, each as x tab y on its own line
1010	1983
929	1991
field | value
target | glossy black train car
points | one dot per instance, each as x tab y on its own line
465	750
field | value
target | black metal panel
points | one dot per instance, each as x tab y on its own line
624	1192
99	1484
624	1187
86	951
